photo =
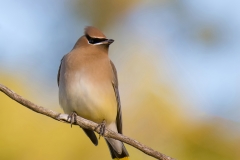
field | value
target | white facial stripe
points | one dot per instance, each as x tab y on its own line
96	43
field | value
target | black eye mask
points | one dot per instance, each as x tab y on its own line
95	40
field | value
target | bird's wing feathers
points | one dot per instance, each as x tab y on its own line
115	87
91	136
58	76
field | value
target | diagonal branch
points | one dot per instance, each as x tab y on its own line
84	123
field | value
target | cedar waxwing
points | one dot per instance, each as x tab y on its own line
88	86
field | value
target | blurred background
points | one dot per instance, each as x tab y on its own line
178	65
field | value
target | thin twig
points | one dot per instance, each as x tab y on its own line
84	123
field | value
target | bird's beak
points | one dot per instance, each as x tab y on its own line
108	41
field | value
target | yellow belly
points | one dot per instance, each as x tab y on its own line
92	102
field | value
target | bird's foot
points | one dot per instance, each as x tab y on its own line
72	117
102	128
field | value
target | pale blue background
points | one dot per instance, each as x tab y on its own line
199	41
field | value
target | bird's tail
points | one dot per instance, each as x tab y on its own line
115	155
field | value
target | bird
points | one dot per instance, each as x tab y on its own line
88	87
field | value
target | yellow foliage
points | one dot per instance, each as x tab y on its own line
151	118
27	135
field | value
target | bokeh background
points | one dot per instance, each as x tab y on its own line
178	65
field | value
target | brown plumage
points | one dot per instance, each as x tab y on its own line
94	32
88	85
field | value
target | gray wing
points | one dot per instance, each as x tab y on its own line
58	75
115	87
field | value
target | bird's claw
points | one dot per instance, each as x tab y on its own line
102	128
72	117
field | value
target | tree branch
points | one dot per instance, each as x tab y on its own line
84	123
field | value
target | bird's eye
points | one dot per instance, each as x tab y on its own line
90	40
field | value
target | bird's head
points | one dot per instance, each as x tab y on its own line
93	37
